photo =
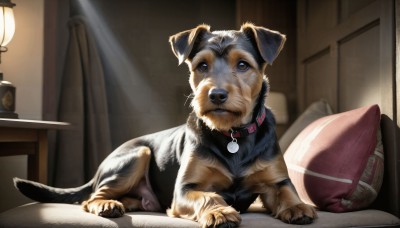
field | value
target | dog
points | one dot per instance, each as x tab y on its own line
212	168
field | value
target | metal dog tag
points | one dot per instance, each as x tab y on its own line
233	147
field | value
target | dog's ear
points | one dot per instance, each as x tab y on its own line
183	42
269	42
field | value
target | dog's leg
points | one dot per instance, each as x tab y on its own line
278	195
207	208
283	202
195	196
115	182
148	202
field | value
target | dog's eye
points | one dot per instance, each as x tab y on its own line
242	66
202	67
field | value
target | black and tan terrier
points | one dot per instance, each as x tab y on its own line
220	161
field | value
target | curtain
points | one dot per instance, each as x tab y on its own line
83	103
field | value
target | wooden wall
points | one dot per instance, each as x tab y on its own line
344	53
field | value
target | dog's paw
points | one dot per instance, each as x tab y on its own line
104	208
300	214
227	225
222	217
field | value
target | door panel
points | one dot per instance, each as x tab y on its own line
359	81
320	78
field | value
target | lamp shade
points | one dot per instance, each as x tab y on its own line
278	104
7	29
7	22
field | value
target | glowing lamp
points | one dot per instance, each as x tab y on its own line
7	23
7	29
278	104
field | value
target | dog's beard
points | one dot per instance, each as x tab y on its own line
235	112
221	121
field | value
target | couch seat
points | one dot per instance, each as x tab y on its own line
67	215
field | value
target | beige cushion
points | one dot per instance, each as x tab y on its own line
313	112
66	215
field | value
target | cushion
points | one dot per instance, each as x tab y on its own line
336	163
313	112
44	215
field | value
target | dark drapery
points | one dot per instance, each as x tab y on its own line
82	103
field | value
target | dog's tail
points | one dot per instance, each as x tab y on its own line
46	194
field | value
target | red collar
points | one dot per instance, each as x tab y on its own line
249	128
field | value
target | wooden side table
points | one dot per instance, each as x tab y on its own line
28	137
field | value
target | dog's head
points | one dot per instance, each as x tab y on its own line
227	70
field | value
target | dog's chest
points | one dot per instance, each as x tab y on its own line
215	146
234	165
238	195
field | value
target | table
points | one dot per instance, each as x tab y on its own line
28	137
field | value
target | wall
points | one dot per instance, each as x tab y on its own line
23	66
23	62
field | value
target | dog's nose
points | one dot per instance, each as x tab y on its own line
218	96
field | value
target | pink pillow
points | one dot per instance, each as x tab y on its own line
336	162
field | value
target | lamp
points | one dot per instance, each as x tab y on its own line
7	29
278	104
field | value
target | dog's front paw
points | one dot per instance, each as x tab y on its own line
104	208
221	217
300	214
